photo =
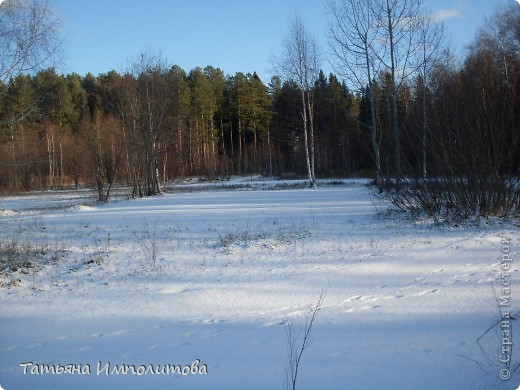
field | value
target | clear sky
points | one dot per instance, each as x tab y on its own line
234	35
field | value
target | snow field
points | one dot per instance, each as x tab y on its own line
216	275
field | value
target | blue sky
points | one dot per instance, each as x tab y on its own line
234	35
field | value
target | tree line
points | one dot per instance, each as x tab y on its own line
399	105
158	122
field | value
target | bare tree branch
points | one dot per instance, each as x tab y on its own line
295	351
29	37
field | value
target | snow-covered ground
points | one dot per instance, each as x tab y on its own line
213	277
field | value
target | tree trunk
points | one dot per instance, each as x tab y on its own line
13	156
269	154
424	171
311	127
395	118
306	140
239	138
50	154
60	175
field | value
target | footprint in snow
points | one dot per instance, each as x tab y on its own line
275	323
426	292
363	308
369	307
450	283
393	296
354	298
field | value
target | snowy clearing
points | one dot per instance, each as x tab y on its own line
216	276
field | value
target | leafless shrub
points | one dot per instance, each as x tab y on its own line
273	229
299	341
102	249
459	197
19	258
149	243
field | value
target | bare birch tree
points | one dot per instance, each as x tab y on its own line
352	39
398	34
104	140
299	62
29	37
154	107
29	41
